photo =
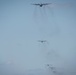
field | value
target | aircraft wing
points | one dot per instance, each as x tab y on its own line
46	3
41	40
35	4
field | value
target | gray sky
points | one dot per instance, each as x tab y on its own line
22	25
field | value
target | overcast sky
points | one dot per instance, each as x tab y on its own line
23	24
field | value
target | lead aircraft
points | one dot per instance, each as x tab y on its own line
41	4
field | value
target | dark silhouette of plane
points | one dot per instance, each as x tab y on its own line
42	41
51	67
41	4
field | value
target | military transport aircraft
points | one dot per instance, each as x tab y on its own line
41	4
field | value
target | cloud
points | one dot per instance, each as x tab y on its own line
6	63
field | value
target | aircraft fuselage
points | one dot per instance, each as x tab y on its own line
41	5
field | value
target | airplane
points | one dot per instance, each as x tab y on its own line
42	41
50	66
42	4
